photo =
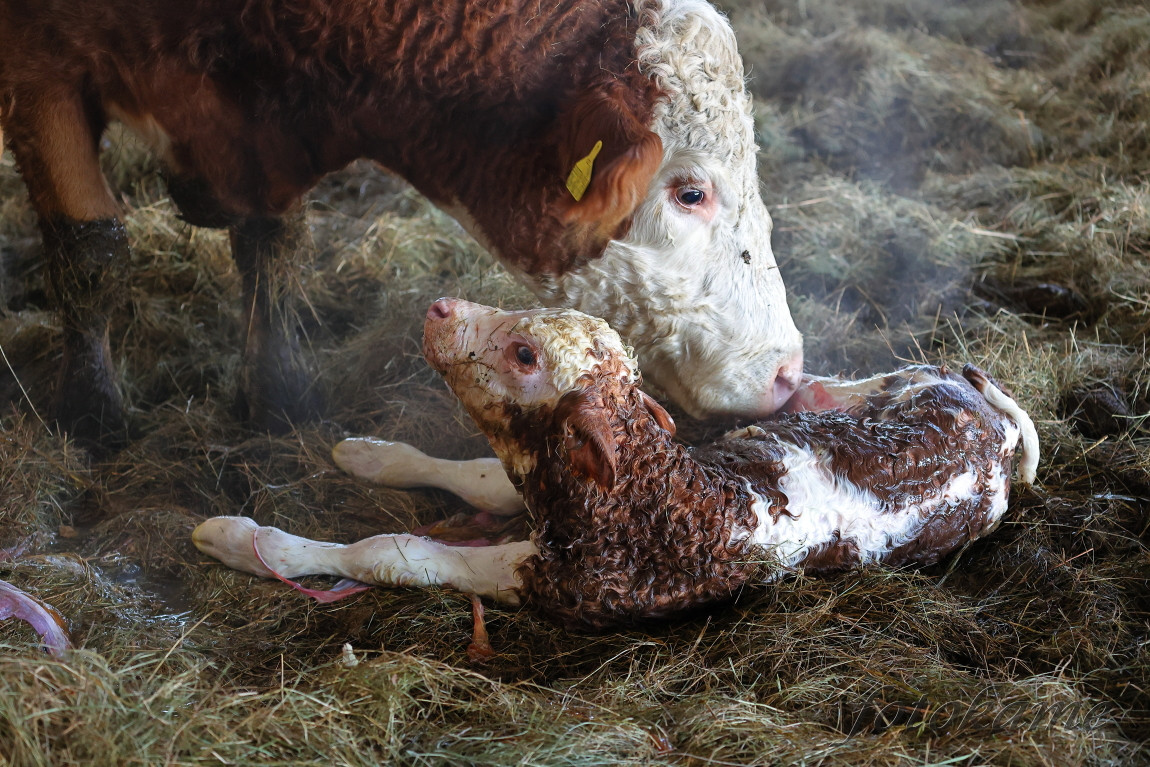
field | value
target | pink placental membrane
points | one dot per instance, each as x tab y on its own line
44	618
345	588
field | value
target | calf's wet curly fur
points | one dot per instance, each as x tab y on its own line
630	524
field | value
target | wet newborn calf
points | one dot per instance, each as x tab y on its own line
630	524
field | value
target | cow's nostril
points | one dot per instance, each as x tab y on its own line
787	380
784	387
440	310
791	372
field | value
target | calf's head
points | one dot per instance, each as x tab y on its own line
693	281
536	369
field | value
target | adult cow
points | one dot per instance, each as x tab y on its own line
603	150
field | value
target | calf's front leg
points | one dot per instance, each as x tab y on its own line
875	393
480	482
382	560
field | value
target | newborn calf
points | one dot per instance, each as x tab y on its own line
630	524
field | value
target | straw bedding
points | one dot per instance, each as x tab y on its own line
950	183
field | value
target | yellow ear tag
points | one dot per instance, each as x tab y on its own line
580	176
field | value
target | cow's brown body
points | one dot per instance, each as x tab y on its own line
256	101
484	106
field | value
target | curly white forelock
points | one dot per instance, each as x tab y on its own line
690	50
569	340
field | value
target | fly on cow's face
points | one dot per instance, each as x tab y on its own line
746	255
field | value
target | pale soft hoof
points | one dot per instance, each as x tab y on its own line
231	540
394	464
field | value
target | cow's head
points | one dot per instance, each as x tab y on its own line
692	282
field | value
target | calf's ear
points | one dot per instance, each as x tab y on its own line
661	416
608	156
587	439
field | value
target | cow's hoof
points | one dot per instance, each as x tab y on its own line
278	415
277	388
94	420
278	406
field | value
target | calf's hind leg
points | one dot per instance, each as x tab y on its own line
54	137
277	387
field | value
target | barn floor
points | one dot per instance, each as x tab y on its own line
950	182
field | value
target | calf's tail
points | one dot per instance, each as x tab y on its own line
1000	400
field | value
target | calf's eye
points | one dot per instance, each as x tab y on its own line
525	356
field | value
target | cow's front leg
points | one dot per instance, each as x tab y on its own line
55	139
383	560
277	387
87	265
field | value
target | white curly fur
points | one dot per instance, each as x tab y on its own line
568	339
690	51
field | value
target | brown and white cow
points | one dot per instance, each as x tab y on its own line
603	150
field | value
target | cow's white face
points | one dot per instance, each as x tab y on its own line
694	284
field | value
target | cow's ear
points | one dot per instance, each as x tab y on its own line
588	441
607	156
661	416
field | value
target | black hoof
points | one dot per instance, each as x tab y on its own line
278	403
96	423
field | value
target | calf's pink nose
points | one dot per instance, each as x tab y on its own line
441	309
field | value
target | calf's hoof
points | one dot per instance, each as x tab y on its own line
392	464
231	540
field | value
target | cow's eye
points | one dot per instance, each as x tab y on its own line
690	196
525	355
